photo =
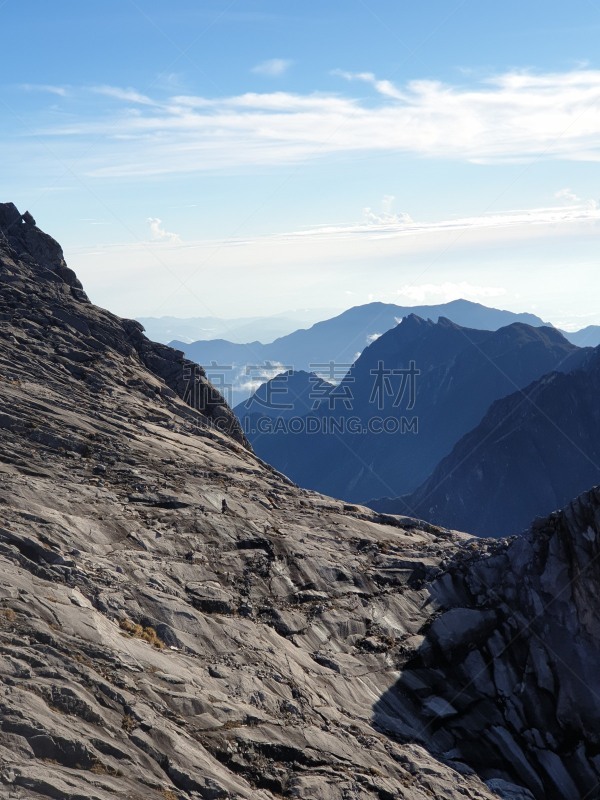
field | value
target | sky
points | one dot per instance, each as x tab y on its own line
244	157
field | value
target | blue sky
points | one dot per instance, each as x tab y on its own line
242	157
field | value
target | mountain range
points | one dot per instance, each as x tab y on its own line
178	621
239	329
586	337
329	347
342	337
459	372
531	452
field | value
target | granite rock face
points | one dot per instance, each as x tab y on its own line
46	306
20	234
513	659
178	621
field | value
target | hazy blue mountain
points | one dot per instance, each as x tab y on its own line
241	329
291	393
342	337
282	406
531	452
340	449
586	337
337	342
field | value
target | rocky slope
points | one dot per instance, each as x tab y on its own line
84	341
514	659
178	621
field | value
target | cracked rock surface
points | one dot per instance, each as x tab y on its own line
512	660
179	621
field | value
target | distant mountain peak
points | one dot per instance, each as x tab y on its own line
416	320
444	322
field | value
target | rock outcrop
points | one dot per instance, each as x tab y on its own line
20	234
46	307
506	677
178	621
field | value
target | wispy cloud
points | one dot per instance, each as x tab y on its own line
61	91
127	95
389	225
159	234
513	117
384	87
273	67
92	221
391	235
407	268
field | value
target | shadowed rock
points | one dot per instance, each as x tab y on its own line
506	678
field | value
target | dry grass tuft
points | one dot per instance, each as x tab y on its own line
128	723
147	634
8	615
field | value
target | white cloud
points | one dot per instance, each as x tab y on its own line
263	373
264	101
567	194
388	226
387	203
128	95
514	117
61	91
387	215
445	292
570	196
386	88
159	234
372	337
272	68
170	81
535	263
